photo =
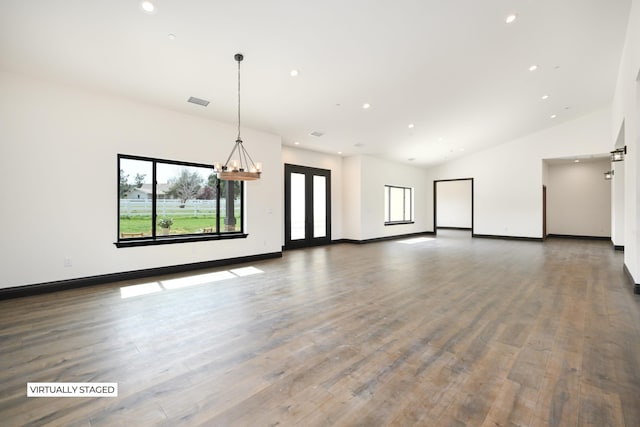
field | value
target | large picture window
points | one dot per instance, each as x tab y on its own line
163	201
398	205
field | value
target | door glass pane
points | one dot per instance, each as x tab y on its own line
319	206
407	205
297	206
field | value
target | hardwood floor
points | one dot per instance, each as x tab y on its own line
448	332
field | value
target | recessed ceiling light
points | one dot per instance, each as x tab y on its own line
509	19
544	97
366	106
147	6
576	161
171	36
296	143
294	73
533	68
411	126
553	116
339	152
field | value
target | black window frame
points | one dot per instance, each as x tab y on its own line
155	239
387	189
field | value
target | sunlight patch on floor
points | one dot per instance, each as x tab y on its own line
246	271
199	279
415	240
183	282
137	290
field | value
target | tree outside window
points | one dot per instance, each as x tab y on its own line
160	198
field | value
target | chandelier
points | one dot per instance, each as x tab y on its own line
241	168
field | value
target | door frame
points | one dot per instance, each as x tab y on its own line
309	219
435	202
544	212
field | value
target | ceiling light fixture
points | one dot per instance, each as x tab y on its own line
509	19
543	97
171	36
533	68
366	106
617	155
553	116
243	169
294	73
411	126
147	6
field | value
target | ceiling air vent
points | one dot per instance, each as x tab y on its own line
198	101
316	133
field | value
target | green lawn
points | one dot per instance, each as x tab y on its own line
181	225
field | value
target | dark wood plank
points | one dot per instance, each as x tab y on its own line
454	331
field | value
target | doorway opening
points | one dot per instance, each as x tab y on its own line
453	204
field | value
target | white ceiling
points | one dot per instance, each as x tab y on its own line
454	69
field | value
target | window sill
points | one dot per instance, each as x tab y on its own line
399	223
167	240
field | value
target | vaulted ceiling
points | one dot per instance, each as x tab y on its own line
442	78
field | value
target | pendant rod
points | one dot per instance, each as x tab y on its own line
239	58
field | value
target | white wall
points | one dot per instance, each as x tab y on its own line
617	203
508	178
352	198
333	163
453	207
375	174
60	142
579	199
358	193
626	109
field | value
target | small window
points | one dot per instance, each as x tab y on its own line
164	201
398	205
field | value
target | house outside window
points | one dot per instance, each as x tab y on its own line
164	201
